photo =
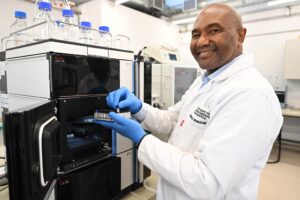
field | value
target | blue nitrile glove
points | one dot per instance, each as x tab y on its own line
124	99
126	127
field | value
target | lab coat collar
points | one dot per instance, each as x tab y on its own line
242	62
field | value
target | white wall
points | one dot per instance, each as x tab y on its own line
267	40
142	29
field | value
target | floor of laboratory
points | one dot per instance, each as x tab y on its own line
279	181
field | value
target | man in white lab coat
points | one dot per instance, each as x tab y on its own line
221	132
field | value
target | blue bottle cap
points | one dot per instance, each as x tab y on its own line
104	28
67	13
20	14
44	6
86	24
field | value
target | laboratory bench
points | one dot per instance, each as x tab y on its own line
286	112
291	112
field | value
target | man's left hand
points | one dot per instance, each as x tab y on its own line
126	127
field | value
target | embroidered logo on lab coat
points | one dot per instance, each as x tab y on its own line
200	116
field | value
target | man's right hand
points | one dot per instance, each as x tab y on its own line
124	99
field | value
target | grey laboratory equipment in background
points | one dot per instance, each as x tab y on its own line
162	76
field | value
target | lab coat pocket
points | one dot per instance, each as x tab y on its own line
194	123
191	132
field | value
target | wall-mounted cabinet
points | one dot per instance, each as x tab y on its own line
292	60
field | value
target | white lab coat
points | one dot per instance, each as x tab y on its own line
221	137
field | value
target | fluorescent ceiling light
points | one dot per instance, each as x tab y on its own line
120	1
184	21
278	2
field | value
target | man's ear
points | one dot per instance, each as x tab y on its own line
242	34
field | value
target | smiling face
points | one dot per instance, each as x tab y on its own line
217	37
